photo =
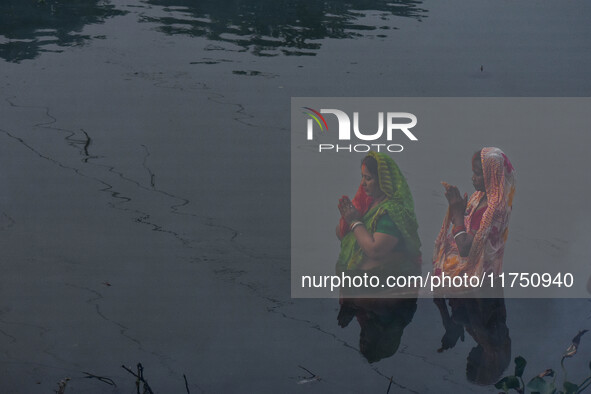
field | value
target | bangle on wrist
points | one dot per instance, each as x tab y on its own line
355	224
457	229
461	232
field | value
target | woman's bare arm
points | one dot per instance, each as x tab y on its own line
464	243
457	207
374	246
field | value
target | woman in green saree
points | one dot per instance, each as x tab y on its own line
378	229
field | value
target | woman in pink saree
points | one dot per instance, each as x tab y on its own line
479	225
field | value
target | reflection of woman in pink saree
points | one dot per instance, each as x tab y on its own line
476	242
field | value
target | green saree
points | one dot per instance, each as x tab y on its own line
399	207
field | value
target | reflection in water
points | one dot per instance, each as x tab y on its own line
273	27
30	27
382	323
485	320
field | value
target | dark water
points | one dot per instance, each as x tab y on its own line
272	28
145	203
263	28
29	28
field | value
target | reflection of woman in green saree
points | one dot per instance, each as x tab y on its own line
378	229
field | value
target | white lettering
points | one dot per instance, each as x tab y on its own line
344	123
395	151
403	127
371	137
357	147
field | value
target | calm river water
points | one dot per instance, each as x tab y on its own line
145	199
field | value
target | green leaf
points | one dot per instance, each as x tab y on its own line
539	385
519	366
507	383
570	388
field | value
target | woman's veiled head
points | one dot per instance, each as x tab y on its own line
497	173
477	173
370	179
491	169
372	165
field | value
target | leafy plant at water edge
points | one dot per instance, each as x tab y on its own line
540	384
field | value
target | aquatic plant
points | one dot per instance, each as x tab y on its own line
542	383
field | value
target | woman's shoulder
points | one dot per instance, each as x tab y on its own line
386	225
